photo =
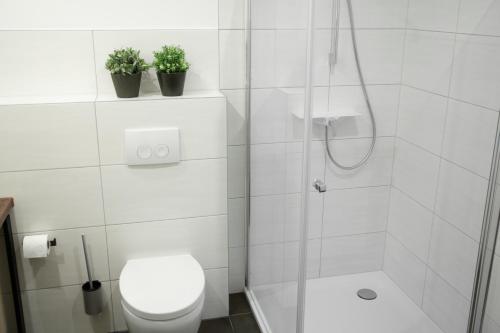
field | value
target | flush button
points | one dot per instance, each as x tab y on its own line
162	151
144	152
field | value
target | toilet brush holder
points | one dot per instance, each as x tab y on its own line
93	297
92	289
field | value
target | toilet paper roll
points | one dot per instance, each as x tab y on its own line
36	246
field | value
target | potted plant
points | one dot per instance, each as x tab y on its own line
171	68
126	67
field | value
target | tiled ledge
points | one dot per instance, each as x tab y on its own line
92	98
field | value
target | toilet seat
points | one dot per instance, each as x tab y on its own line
162	288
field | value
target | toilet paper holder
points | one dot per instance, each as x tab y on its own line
52	243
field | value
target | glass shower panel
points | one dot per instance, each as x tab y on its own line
279	47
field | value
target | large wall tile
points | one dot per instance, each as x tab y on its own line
405	269
461	198
205	238
410	223
201	46
188	189
265	264
384	100
63	65
376	172
352	254
422	116
236	216
476	71
428	60
62	310
479	17
453	256
111	14
291	261
470	136
493	306
232	55
47	136
375	13
201	123
54	199
416	173
232	14
433	15
382	66
444	305
66	263
237	269
355	211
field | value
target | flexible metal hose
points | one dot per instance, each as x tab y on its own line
367	100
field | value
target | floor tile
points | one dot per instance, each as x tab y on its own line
221	325
238	304
245	323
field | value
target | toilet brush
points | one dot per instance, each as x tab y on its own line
92	289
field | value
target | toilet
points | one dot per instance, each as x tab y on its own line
162	295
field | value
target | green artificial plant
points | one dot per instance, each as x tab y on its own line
170	59
126	61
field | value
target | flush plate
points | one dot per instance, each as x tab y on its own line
150	146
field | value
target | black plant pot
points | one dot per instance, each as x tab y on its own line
171	84
127	86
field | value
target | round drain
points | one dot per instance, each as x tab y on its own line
367	294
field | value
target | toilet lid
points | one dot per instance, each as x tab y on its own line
162	288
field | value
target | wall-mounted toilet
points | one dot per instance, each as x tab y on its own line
164	294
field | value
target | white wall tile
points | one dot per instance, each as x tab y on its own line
63	65
461	198
236	171
232	14
352	254
232	55
54	199
62	310
263	64
444	305
493	306
376	13
433	15
236	116
113	14
384	100
66	263
428	60
376	172
410	224
479	17
476	71
265	264
383	66
237	261
47	136
453	256
490	326
422	116
201	123
236	221
405	269
278	14
470	136
205	238
217	294
201	46
291	260
416	172
355	211
189	189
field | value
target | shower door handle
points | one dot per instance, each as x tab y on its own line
319	185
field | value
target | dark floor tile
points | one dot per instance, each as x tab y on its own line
245	323
238	304
220	325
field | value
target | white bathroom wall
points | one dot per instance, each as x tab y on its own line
67	172
446	129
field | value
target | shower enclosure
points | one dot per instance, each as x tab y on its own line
374	152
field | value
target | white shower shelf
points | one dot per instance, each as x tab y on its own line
92	98
295	104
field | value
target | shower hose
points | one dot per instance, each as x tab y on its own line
367	100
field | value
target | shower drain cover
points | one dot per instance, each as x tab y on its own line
367	294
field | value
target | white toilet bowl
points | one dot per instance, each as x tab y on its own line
163	295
